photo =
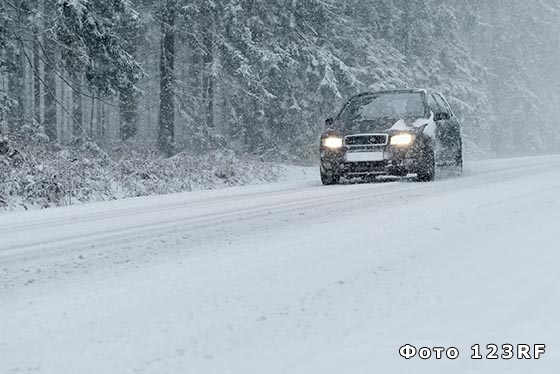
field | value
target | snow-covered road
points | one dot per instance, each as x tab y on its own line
289	278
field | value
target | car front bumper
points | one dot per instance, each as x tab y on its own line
392	162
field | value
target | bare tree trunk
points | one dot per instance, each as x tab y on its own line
39	67
15	88
49	54
92	117
29	91
99	121
128	103
166	136
13	58
208	79
77	109
60	115
3	99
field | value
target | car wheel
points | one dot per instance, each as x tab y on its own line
329	179
427	168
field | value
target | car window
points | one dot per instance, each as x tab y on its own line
446	104
432	103
442	106
385	105
437	107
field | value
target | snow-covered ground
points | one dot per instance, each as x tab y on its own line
36	176
289	278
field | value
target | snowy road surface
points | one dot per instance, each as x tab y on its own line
289	278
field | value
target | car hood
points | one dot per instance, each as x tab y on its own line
381	125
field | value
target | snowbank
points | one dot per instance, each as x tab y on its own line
35	173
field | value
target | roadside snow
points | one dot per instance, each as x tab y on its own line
289	278
44	176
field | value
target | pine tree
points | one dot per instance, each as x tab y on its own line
259	77
166	135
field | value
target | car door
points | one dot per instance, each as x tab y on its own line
451	134
446	131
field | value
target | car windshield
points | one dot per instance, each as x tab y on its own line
386	105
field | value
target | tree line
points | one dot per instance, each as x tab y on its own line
259	76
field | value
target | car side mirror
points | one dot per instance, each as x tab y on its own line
442	116
329	122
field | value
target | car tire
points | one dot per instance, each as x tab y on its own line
330	179
459	162
427	168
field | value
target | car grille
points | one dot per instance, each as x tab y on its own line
366	140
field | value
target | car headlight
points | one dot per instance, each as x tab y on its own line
402	139
333	142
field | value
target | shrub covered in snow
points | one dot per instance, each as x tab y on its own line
35	173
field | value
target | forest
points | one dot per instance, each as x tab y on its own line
257	78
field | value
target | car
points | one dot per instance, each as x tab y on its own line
401	133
